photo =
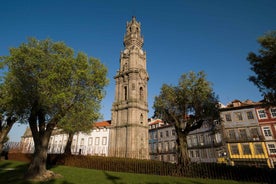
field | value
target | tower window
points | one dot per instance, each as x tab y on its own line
141	93
141	118
125	92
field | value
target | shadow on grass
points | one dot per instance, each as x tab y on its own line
111	178
11	173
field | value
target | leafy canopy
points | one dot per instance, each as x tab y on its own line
187	103
263	64
49	76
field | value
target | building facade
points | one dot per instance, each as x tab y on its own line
242	134
205	144
129	127
267	120
94	142
162	141
245	136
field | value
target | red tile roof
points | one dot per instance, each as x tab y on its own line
155	122
103	123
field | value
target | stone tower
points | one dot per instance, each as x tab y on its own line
129	120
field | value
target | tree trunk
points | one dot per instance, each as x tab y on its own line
67	150
41	136
183	158
4	131
183	163
37	168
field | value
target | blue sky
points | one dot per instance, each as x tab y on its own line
179	36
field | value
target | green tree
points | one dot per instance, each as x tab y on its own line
48	83
8	114
264	66
6	123
79	118
186	106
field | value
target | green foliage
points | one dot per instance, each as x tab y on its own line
187	106
52	86
264	66
191	100
49	76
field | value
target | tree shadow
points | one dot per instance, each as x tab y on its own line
113	179
10	173
13	174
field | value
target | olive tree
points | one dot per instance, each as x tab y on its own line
186	106
49	83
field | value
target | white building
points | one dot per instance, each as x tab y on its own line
93	143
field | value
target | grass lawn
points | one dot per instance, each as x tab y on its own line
13	171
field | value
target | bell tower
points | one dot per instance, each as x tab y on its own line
129	119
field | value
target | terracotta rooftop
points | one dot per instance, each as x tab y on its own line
239	104
154	122
102	123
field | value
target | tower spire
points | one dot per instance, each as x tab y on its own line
133	34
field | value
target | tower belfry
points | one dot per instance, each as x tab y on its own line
129	120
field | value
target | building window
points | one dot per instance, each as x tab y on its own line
82	142
197	153
191	153
231	134
166	146
161	134
194	140
90	141
262	114
272	148
243	134
189	142
200	140
250	115
228	117
173	132
267	131
273	112
258	149
104	140
151	135
172	147
159	147
207	139
204	153
254	133
246	149
154	148
238	116
218	137
167	133
234	149
97	141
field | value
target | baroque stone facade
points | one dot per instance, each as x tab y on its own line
129	127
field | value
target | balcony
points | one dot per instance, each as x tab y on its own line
244	139
205	145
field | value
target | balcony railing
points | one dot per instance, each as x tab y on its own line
244	139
